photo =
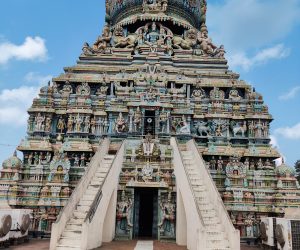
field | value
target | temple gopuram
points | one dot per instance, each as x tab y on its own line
152	109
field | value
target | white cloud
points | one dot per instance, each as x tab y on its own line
251	24
15	102
33	48
242	60
290	94
274	141
292	133
34	77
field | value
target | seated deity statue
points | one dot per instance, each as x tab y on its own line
103	41
120	124
234	95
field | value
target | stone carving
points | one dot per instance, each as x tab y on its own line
185	127
83	89
137	120
61	125
198	92
186	43
216	93
234	95
164	121
39	122
235	168
167	220
103	41
155	6
124	210
239	128
202	128
122	41
120	124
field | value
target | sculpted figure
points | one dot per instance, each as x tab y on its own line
186	43
93	125
220	52
259	130
137	119
48	124
39	122
168	211
120	124
198	93
163	121
124	42
206	44
251	128
234	94
87	50
103	41
202	128
237	128
61	124
220	164
123	212
185	129
87	124
78	123
70	124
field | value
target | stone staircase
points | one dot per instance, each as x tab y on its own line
216	233
72	234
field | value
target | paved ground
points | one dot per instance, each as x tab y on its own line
117	245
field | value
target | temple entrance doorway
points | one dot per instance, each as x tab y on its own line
145	213
149	122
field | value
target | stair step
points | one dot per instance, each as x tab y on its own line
79	214
81	208
63	247
76	221
73	227
70	242
71	234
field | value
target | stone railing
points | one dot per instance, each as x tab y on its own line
195	229
67	212
102	214
215	198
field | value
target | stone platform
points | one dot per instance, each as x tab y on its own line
116	245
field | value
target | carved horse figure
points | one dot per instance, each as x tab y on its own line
238	129
202	129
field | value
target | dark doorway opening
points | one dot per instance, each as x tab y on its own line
145	206
149	122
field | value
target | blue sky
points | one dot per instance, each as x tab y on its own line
39	38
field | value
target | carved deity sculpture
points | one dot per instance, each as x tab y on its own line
39	122
167	215
70	124
103	41
163	121
48	124
137	120
185	127
234	95
121	41
206	43
186	43
124	209
78	122
61	125
120	124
